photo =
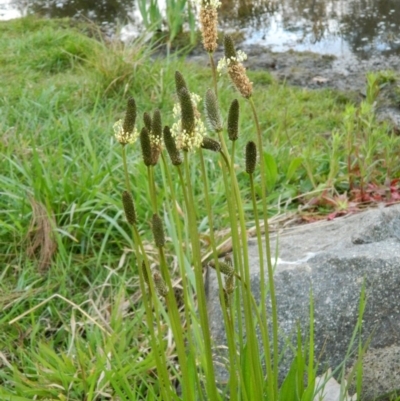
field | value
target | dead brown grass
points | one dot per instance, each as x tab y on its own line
40	239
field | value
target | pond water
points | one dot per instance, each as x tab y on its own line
363	28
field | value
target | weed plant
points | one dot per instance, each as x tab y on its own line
175	15
77	323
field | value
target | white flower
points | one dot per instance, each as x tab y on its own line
189	141
224	63
155	141
184	140
123	137
211	3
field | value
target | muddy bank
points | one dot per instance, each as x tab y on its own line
311	70
316	71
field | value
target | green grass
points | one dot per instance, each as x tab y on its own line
61	93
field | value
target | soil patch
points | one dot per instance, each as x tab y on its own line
317	71
309	69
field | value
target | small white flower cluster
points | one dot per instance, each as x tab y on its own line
188	140
224	63
211	3
155	141
124	138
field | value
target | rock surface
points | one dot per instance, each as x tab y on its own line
334	258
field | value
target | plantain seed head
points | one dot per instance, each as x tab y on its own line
179	82
157	126
147	120
229	47
237	74
251	157
209	25
224	268
233	120
125	131
158	231
172	150
211	144
187	111
230	284
212	111
146	147
130	116
129	207
160	284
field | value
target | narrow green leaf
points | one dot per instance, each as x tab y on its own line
245	362
293	166
271	171
287	391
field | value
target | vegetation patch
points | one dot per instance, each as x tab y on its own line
73	322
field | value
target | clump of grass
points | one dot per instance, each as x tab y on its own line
40	236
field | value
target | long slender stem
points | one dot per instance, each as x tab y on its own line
173	312
179	242
264	320
214	73
152	188
126	174
200	290
268	250
189	308
159	354
250	331
227	320
177	328
234	233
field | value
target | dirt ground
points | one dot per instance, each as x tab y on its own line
315	71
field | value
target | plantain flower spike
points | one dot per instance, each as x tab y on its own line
125	131
160	284
251	157
232	62
211	144
158	231
147	120
227	298
233	121
229	49
188	129
209	23
156	136
146	147
212	111
187	111
225	268
230	284
156	128
179	81
129	207
172	150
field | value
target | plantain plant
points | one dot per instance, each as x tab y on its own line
172	283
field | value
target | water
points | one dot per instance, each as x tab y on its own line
363	28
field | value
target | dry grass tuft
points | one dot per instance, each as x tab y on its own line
40	238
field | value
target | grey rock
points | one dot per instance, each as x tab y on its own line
334	258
